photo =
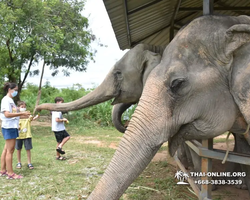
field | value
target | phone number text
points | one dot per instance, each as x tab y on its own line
218	182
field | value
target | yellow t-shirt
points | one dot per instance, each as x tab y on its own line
25	130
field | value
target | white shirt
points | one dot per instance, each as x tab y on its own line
57	126
7	104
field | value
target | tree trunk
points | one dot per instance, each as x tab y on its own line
39	89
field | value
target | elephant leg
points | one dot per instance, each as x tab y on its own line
246	180
190	160
242	146
184	156
231	166
196	160
187	156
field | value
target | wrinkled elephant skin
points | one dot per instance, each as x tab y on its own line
198	91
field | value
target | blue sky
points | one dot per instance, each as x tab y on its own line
105	57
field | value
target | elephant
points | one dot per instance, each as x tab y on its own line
124	82
199	90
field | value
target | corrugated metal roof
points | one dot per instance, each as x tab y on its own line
156	21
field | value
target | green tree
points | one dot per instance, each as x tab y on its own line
52	31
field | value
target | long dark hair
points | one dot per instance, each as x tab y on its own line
8	85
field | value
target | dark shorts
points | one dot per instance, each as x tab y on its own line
60	135
27	143
10	133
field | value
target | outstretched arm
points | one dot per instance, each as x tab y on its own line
20	114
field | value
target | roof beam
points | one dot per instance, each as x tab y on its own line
190	13
147	36
208	6
125	3
171	30
191	9
143	6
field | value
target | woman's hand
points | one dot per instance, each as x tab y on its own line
25	114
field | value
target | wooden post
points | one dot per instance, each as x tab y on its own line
206	166
208	7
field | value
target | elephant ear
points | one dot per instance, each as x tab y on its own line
149	61
238	48
237	36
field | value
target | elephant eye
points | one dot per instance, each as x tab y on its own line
176	84
118	74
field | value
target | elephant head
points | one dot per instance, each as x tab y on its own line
124	82
198	91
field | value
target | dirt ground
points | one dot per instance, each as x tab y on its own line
42	121
224	192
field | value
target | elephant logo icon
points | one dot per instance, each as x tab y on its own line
181	176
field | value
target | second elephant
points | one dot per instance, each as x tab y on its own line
124	82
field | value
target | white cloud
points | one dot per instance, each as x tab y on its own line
105	57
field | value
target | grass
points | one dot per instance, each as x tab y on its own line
157	182
53	179
88	153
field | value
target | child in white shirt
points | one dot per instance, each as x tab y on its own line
58	128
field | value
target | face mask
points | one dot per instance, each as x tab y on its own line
13	94
22	109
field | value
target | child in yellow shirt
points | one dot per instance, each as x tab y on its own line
25	136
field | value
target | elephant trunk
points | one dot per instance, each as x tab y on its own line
117	112
134	153
107	90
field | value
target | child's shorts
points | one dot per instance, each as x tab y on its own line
10	133
27	143
60	135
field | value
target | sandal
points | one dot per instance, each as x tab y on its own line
59	150
13	176
60	158
30	166
19	166
3	173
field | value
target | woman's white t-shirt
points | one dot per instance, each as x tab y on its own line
57	126
7	104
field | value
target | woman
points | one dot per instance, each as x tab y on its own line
10	122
